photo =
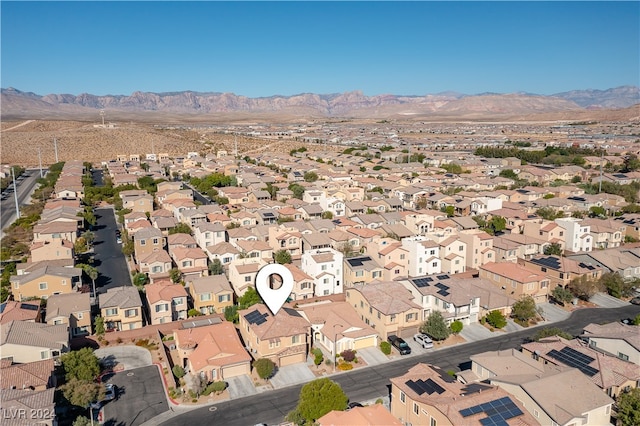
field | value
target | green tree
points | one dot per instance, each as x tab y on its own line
231	314
81	364
562	295
327	215
629	408
249	298
178	371
80	246
385	347
449	210
81	421
128	247
282	256
548	213
264	367
317	398
553	249
215	267
524	309
509	174
631	163
597	211
318	356
452	168
435	326
297	189
551	331
615	284
181	228
140	279
193	313
98	326
636	320
175	275
584	287
496	319
310	176
81	392
497	224
456	327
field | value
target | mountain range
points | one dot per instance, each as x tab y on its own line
16	104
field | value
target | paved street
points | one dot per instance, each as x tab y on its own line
8	205
372	382
109	260
141	397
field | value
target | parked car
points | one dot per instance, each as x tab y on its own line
424	340
111	392
352	405
399	344
635	301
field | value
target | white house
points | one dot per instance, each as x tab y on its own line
325	267
424	256
577	236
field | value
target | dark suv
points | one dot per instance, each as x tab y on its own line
399	344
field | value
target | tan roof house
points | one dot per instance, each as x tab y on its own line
22	341
361	270
148	240
386	306
192	262
210	294
516	280
55	230
51	250
213	352
11	310
427	395
45	282
283	337
36	375
137	200
72	309
121	308
614	338
337	327
371	415
29	402
242	274
167	302
156	265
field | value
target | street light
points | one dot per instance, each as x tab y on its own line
335	346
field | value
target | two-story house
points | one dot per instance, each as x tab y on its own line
325	267
72	309
210	294
121	308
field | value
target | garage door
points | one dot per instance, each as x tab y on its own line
292	359
366	342
408	332
236	370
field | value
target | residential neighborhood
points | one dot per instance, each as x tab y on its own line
390	261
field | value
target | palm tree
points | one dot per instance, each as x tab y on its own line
92	273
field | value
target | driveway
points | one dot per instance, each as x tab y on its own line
553	313
603	300
291	375
141	397
372	356
129	357
476	332
240	386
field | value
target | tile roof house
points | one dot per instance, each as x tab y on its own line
387	306
36	375
155	264
427	395
51	250
192	262
371	415
283	337
337	327
611	374
213	352
11	310
45	282
210	294
73	309
121	308
167	302
614	338
516	280
242	274
38	407
23	341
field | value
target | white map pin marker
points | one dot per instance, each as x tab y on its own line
274	299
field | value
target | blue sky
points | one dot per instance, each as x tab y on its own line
284	48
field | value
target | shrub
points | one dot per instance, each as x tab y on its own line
456	327
264	367
496	319
348	355
216	387
385	347
345	366
379	401
178	371
318	356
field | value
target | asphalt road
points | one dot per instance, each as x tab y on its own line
8	206
140	397
372	382
97	175
108	257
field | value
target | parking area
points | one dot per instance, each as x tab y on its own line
141	397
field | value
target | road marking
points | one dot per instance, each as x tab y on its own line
130	374
214	408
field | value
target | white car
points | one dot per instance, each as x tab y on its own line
423	340
111	392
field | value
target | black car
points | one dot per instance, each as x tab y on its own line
399	344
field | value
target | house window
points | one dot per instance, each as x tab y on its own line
129	313
44	354
323	267
143	242
402	397
408	317
155	241
247	278
226	259
359	273
295	339
536	413
178	301
392	318
434	264
43	286
163	307
325	281
402	257
460	248
80	315
623	356
64	282
224	298
156	269
205	297
325	293
416	409
432	252
376	274
111	312
186	263
274	344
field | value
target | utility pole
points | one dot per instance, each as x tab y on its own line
55	147
236	145
601	160
15	193
40	161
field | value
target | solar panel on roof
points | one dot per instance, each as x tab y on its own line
425	386
575	359
414	387
2	307
29	306
443	277
498	411
421	282
443	293
255	317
